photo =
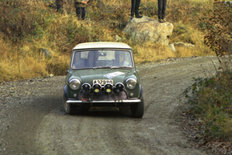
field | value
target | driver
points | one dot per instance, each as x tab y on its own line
123	61
92	58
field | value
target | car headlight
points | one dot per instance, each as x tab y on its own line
131	83
74	84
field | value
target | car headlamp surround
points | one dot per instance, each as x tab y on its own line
74	84
131	83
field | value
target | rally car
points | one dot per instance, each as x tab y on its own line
103	74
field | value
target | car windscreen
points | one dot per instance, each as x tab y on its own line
101	59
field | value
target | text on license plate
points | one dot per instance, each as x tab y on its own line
103	81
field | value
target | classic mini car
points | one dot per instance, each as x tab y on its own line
103	74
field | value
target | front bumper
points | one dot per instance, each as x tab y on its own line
104	102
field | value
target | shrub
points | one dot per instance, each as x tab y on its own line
58	65
219	28
212	104
112	15
149	9
20	19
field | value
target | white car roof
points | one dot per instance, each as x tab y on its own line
94	45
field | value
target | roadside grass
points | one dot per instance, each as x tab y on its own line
26	27
211	100
152	52
19	68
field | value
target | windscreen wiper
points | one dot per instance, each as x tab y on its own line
100	67
120	67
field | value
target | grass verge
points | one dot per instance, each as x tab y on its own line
211	105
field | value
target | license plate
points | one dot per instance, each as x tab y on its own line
103	81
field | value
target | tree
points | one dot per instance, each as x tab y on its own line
219	27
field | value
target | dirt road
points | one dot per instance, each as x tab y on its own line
32	120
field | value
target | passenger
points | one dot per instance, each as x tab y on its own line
123	61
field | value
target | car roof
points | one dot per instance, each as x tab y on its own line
94	45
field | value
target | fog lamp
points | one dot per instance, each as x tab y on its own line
118	87
108	87
108	90
96	88
86	87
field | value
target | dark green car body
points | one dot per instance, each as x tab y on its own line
88	75
91	84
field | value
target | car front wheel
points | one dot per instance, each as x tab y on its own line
137	109
68	108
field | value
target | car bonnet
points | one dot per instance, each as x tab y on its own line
117	75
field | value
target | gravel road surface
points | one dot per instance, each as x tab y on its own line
32	120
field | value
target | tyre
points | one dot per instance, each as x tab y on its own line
68	108
137	109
